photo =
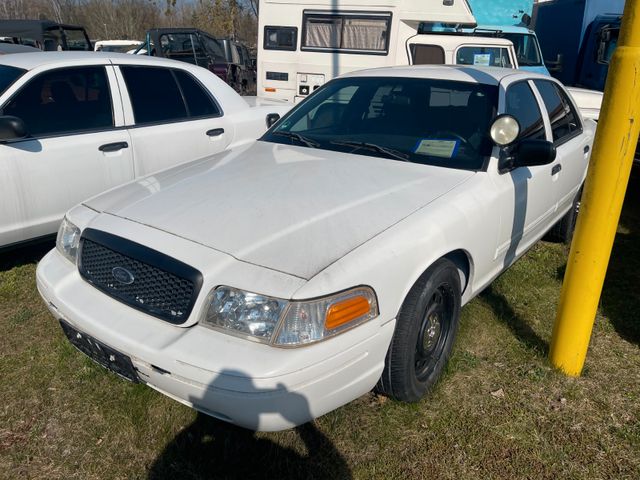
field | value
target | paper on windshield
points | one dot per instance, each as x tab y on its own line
482	59
437	147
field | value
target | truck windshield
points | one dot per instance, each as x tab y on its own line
527	49
8	75
418	120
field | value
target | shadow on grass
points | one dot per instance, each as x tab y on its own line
24	254
620	301
518	325
213	449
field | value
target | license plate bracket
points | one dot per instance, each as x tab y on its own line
111	359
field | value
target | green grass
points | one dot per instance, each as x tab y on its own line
500	410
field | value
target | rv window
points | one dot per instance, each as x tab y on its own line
483	56
280	38
348	33
427	54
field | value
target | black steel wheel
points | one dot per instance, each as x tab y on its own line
425	332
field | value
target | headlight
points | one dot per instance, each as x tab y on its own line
288	323
68	240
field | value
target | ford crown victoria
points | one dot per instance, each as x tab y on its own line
73	124
274	282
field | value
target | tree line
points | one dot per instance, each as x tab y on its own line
130	19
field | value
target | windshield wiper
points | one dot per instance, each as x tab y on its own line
372	146
300	138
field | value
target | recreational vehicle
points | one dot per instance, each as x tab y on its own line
303	44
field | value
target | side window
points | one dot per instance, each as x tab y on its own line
199	103
280	38
362	33
483	56
154	95
427	54
563	117
522	104
66	100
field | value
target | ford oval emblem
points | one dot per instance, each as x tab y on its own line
123	275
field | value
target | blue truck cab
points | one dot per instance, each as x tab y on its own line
580	55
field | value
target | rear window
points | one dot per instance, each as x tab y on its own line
483	56
8	75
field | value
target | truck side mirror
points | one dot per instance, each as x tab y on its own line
272	118
12	128
555	66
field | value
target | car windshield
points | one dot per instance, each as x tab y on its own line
8	75
527	49
419	120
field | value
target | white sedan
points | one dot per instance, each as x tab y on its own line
272	283
73	124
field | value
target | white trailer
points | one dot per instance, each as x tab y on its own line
303	44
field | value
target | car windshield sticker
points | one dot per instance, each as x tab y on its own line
437	148
482	59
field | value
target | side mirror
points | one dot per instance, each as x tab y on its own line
272	118
12	128
530	153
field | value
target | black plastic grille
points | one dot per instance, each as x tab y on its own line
138	276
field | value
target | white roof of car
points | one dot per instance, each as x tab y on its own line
29	61
450	42
460	73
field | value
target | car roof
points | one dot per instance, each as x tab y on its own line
29	61
451	40
459	73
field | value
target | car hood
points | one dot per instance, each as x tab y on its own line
287	208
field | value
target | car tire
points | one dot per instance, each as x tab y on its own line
562	232
425	331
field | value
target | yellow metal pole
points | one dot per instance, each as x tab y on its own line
607	179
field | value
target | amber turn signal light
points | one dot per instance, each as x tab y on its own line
346	311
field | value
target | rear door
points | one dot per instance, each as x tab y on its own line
172	117
75	149
571	146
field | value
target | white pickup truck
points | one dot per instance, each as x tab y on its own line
73	124
484	51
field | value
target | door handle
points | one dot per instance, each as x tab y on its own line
113	147
556	169
586	149
215	132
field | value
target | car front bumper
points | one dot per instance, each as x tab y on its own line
252	385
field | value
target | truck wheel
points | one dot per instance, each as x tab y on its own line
562	232
425	332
